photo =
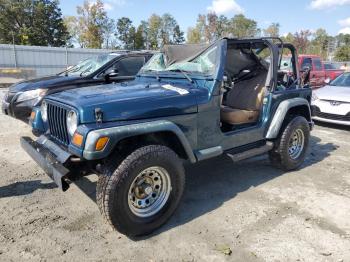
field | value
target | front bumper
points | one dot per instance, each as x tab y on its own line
333	118
50	158
326	120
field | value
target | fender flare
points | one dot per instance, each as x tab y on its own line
281	113
118	133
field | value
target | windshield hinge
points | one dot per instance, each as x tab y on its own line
98	115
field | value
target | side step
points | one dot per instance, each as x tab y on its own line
251	152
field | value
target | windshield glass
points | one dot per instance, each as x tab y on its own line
342	80
89	65
205	64
331	66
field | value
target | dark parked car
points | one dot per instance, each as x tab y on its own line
189	103
103	69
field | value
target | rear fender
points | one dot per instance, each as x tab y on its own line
282	112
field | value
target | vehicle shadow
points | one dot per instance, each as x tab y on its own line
24	188
211	183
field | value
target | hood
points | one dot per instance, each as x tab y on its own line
43	82
131	101
336	93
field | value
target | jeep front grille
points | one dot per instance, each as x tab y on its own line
56	116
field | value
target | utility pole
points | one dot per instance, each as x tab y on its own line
14	49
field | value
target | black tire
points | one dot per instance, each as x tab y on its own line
117	177
280	156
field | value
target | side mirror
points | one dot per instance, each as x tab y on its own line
112	74
327	80
305	69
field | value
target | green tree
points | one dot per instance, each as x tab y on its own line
209	28
178	35
125	32
154	25
342	39
92	22
241	27
170	31
193	35
289	38
108	33
71	23
320	43
167	26
343	53
273	30
222	26
32	22
301	41
139	38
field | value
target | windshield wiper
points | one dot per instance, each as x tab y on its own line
184	73
86	70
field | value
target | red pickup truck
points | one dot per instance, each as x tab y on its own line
320	71
332	71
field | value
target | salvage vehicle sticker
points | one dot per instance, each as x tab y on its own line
176	89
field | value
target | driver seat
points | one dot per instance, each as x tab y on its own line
243	102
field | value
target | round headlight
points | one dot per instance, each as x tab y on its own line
44	111
72	122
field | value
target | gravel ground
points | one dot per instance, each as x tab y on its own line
242	212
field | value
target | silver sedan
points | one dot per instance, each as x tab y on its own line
332	103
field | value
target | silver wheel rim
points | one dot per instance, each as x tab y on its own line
296	144
149	191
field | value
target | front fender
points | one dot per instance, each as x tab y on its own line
281	113
118	133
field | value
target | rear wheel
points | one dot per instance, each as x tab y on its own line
291	147
142	192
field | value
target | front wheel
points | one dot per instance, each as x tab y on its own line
141	192
291	147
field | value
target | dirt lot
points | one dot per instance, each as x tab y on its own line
257	212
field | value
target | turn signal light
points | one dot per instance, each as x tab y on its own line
101	143
77	139
32	115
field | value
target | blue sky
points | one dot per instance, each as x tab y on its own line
333	15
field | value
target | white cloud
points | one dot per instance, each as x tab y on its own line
344	31
108	6
111	4
221	7
344	22
324	4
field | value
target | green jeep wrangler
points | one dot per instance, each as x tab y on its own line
188	103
